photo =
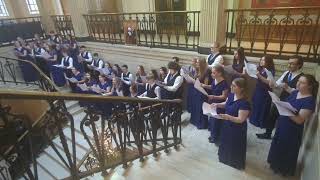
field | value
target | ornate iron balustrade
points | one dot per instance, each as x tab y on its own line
63	24
13	71
10	29
131	132
168	29
281	32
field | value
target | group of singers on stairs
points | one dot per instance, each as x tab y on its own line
226	91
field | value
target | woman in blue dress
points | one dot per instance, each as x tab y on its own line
192	69
116	70
29	72
238	63
286	142
88	81
76	74
197	117
261	100
141	79
219	93
116	90
233	137
56	73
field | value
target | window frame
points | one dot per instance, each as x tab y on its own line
3	9
33	7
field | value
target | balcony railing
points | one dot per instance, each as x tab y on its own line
63	24
281	32
26	27
169	29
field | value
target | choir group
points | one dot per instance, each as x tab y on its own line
209	81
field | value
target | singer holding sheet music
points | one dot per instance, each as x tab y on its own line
219	93
204	75
286	82
286	142
261	100
171	88
233	138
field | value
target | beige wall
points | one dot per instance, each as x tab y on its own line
138	5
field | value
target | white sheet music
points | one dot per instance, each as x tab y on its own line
104	71
197	85
73	80
83	87
96	89
284	108
251	69
58	65
208	110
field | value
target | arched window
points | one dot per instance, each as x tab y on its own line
3	9
32	6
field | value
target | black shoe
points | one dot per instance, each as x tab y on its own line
264	136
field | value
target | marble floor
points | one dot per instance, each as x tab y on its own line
197	159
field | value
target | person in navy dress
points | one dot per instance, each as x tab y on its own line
284	150
219	93
141	79
287	81
238	63
197	117
104	107
192	69
76	74
233	138
56	74
29	72
261	100
116	70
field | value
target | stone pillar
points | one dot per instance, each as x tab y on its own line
77	9
46	10
212	23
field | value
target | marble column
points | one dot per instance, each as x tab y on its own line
212	23
46	10
77	9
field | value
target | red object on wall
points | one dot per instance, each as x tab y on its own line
283	3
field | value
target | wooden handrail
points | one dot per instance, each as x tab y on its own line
6	94
155	12
277	8
34	66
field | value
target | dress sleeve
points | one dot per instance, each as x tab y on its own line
244	105
309	103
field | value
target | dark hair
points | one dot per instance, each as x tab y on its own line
241	83
155	74
241	56
109	64
269	64
134	87
82	47
175	59
173	65
300	60
219	69
125	66
142	70
164	69
314	84
95	54
51	32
